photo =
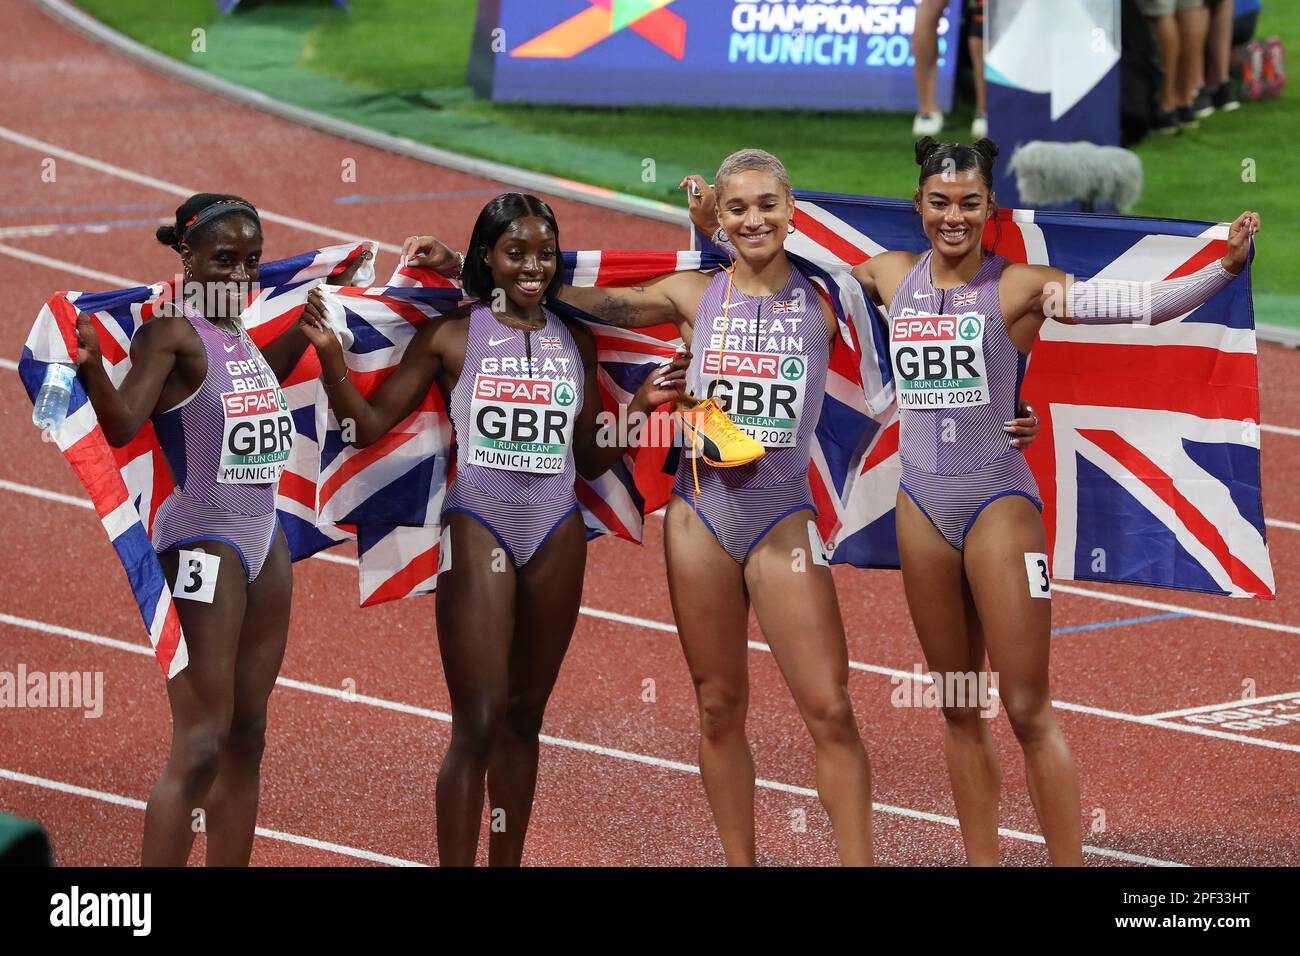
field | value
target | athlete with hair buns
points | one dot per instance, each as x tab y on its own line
970	534
520	385
734	526
236	579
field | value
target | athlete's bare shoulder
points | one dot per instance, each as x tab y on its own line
167	331
881	275
444	336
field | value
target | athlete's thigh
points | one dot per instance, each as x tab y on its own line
710	604
797	608
1016	625
549	589
475	608
211	625
933	583
265	632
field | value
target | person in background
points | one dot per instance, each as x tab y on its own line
1180	27
1217	94
925	52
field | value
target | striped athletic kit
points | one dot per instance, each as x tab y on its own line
513	409
765	359
221	443
959	381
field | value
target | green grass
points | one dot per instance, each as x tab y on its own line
433	52
164	26
411	81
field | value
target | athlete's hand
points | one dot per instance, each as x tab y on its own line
87	341
667	383
703	202
347	275
426	252
1024	428
1239	236
315	326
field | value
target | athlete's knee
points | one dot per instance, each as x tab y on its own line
474	730
964	720
197	757
524	716
247	740
1030	716
830	718
722	708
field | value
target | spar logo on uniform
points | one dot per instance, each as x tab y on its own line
257	436
970	327
792	369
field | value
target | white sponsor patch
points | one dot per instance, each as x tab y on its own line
444	550
815	546
1040	585
938	360
196	576
521	424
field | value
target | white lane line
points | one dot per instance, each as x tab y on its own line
890	672
596	749
111	169
1281	430
1178	608
62	266
46	495
1227	705
1276	523
121	801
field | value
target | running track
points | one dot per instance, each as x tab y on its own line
360	723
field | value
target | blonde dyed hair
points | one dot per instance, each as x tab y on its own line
751	160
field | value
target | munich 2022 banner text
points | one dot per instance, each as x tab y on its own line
804	54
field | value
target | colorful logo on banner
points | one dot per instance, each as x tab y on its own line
647	18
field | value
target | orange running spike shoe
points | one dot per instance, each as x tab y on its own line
719	441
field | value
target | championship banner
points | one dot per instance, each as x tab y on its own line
809	54
1052	73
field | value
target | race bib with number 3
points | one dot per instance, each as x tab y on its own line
196	576
1040	584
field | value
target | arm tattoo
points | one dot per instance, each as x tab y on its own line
619	310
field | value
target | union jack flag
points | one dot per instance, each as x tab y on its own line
398	544
964	298
1148	458
787	305
127	485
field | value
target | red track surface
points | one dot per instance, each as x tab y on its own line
617	784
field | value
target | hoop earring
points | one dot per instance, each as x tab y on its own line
790	231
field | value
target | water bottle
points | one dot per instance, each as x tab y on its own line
52	400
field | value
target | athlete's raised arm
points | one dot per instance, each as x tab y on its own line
154	348
1036	293
398	396
670	298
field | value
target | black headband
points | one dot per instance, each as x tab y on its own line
219	208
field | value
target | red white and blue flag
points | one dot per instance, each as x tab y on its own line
127	485
1148	459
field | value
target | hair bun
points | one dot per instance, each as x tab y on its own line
924	147
167	235
987	147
